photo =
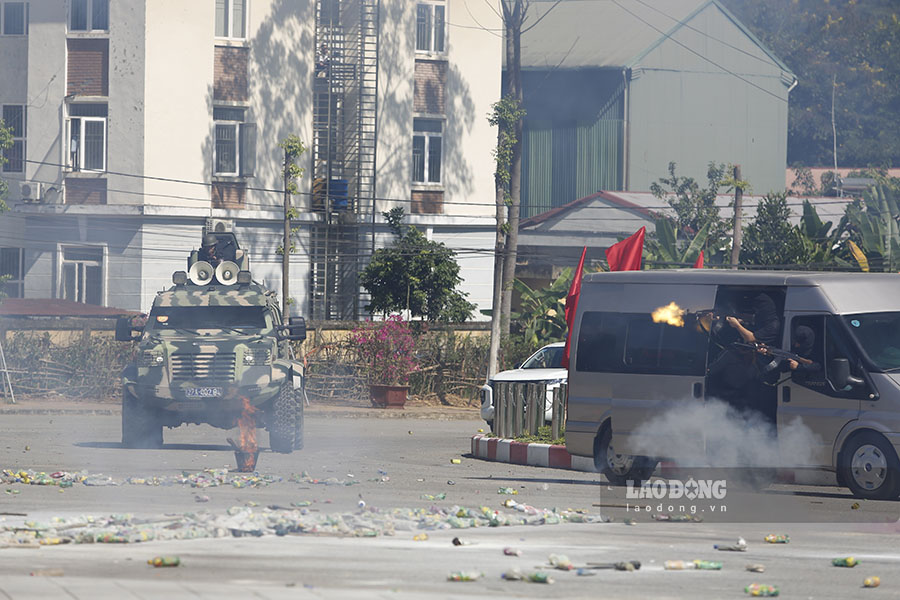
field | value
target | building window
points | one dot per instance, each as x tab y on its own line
14	18
235	151
427	150
231	19
82	274
89	15
87	137
14	119
12	266
430	27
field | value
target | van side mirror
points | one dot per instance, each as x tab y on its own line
296	329
839	374
124	329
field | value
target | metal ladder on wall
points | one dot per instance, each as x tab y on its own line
344	145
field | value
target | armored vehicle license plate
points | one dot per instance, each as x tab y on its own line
203	392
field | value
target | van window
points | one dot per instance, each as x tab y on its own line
633	343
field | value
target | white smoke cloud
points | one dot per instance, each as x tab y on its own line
714	434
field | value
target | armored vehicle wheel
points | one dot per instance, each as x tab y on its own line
868	465
620	468
140	427
285	421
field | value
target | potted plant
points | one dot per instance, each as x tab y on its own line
387	349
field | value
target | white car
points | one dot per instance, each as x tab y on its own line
544	366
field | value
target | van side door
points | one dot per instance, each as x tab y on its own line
811	410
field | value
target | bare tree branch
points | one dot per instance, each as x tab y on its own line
541	18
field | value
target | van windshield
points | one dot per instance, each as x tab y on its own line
879	336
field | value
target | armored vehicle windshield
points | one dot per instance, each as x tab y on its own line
171	318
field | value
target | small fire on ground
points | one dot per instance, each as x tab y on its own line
671	314
247	451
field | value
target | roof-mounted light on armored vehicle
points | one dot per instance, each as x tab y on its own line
179	277
244	277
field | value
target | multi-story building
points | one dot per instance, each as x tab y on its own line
138	122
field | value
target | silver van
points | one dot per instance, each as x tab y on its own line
627	367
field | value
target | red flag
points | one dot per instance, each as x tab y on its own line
626	255
572	305
699	263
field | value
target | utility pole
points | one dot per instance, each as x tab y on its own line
736	230
286	242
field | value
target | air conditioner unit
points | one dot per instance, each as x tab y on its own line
218	226
31	191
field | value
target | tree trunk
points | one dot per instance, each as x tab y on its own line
498	276
513	30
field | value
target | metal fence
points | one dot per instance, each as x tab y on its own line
519	408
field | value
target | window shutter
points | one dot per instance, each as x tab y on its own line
248	149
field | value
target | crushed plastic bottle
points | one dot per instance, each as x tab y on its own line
845	562
755	568
508	491
513	575
560	562
512	552
164	561
777	539
761	590
739	546
464	576
540	577
872	582
701	565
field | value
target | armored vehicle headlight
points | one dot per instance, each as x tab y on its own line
151	359
256	357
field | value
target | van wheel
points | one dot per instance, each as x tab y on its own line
868	465
141	428
285	421
619	469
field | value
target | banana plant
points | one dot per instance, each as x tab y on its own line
542	311
875	228
819	241
667	251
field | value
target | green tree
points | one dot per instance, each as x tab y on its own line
6	141
542	311
770	238
664	250
695	207
848	47
873	226
415	274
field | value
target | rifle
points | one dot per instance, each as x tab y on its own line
774	352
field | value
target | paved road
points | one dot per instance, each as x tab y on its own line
415	456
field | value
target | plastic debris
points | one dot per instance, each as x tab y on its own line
540	577
739	546
201	498
464	576
685	518
164	561
513	575
629	565
871	582
48	573
755	568
855	506
508	491
420	537
845	562
440	496
455	461
700	565
581	572
560	562
512	552
630	522
761	590
777	539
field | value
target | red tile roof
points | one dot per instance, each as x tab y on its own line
52	307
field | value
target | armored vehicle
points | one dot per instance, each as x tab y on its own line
214	347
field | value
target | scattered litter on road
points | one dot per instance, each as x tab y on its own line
700	565
560	562
508	491
629	565
420	537
164	561
845	562
540	577
761	590
584	572
459	542
513	575
755	568
630	521
201	498
512	552
739	546
440	496
871	582
464	576
455	461
855	505
685	518
48	573
451	482
777	539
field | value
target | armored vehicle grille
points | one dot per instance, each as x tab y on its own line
204	366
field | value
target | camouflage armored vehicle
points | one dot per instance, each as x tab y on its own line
212	340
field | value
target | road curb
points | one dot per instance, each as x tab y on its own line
315	413
533	454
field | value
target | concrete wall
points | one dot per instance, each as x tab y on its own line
686	109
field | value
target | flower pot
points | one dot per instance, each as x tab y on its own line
388	396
